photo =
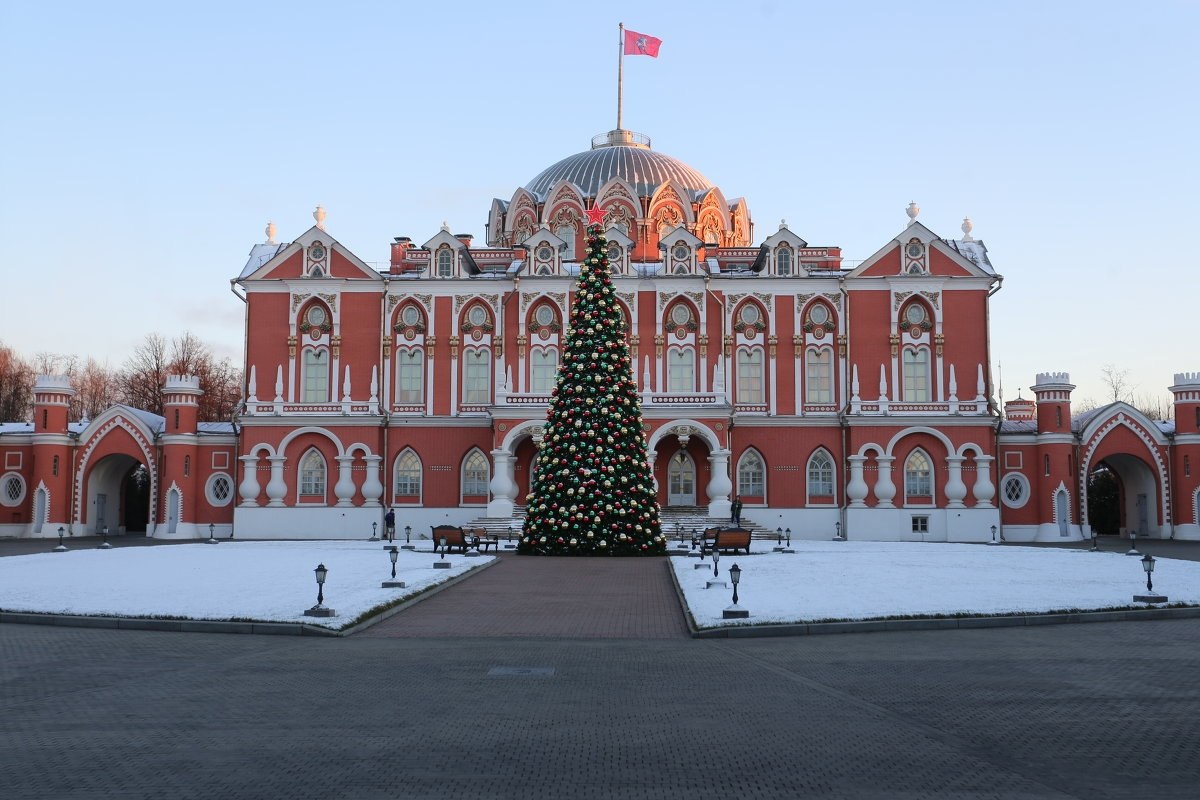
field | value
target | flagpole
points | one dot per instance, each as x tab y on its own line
620	67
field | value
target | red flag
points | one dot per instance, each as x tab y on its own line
639	44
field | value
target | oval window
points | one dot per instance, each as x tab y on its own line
680	252
915	314
545	253
410	315
915	250
750	314
544	315
477	316
614	252
681	315
316	316
819	314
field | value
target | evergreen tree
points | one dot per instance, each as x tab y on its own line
592	493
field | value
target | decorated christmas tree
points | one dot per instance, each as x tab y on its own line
592	493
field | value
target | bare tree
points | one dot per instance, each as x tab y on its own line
1117	381
16	386
145	372
97	386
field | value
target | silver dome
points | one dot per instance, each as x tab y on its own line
623	154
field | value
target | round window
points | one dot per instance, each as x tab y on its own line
12	489
819	314
219	490
915	250
544	315
681	315
680	252
750	314
477	316
915	314
1014	490
614	252
410	316
317	253
316	316
545	253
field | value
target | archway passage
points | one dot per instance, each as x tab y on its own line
1123	494
117	496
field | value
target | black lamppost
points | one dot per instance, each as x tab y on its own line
837	531
787	536
1095	541
212	530
994	541
679	531
319	610
779	536
393	554
716	558
374	528
104	545
1133	551
735	611
407	537
62	548
442	563
1150	596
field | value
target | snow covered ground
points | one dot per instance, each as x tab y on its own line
868	580
261	581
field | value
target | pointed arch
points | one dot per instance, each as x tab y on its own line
408	485
918	478
475	476
820	478
174	508
41	506
312	478
752	477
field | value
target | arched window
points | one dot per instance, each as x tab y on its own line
918	477
187	465
445	263
751	475
820	476
314	376
916	375
410	376
475	475
312	476
681	370
477	371
408	478
543	366
818	376
750	375
783	261
567	234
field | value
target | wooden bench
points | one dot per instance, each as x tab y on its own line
480	539
455	538
732	539
706	540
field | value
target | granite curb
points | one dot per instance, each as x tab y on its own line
225	626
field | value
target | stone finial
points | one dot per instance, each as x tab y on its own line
319	216
270	233
783	224
967	227
913	210
446	226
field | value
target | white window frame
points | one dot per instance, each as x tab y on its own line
751	360
1020	479
475	482
784	263
915	485
23	487
676	378
810	482
210	489
543	368
410	456
444	260
304	480
818	375
916	383
476	376
568	234
310	391
749	459
403	375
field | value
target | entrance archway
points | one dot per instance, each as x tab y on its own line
117	495
1122	493
681	480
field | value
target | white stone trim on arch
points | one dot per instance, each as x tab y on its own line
94	434
176	494
752	452
808	464
518	433
698	429
941	437
1123	414
43	492
462	476
283	445
1061	489
395	474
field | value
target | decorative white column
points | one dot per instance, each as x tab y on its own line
956	490
344	488
372	487
276	487
719	486
883	392
885	490
252	392
249	487
650	456
856	489
502	485
984	490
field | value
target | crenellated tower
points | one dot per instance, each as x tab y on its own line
1056	453
181	408
51	479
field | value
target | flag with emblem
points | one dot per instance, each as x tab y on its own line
639	44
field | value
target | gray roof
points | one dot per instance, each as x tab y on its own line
645	169
974	251
259	255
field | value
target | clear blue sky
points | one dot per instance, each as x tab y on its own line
146	145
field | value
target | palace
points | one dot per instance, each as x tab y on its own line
835	401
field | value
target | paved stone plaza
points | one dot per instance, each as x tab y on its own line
1085	711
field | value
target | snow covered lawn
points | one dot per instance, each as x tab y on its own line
260	581
871	580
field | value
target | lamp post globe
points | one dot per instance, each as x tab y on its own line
735	577
407	533
787	537
442	542
1148	566
321	572
716	558
62	548
393	554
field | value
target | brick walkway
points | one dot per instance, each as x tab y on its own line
584	598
